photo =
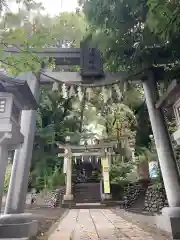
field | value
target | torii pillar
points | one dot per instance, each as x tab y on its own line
68	197
170	219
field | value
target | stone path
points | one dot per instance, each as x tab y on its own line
98	224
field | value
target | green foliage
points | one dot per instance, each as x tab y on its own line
25	29
127	36
56	179
164	17
119	172
120	120
143	154
129	44
7	177
56	119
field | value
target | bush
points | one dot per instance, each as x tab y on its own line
119	172
56	179
7	177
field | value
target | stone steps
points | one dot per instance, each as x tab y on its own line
89	206
87	193
139	211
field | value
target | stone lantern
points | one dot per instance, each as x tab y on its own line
15	96
170	101
176	109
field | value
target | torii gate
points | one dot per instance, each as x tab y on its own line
19	179
104	150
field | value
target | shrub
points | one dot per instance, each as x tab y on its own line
7	177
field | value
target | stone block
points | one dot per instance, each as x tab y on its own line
14	238
68	201
18	226
169	221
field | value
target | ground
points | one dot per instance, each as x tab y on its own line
95	224
101	224
46	218
145	222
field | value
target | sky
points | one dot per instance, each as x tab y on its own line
54	7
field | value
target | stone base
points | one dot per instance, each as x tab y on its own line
68	201
169	221
106	196
18	226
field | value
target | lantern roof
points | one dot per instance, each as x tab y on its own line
171	95
20	89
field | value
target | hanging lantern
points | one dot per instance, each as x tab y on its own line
118	91
64	91
55	86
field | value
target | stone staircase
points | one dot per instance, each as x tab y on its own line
87	193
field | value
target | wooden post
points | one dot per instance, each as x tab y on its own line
105	168
68	197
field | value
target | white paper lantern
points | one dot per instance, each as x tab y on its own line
71	91
64	91
118	91
80	93
105	94
89	93
55	86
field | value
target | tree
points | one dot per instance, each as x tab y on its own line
56	116
164	18
121	121
4	4
129	45
55	121
24	30
121	173
7	177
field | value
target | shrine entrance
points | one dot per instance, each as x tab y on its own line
87	171
86	179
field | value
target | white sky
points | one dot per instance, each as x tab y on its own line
54	7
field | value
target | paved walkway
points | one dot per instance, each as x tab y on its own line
98	224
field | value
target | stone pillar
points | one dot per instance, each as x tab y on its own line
3	166
165	153
16	197
68	197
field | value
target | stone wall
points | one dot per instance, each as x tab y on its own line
145	197
134	191
155	199
47	198
131	194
